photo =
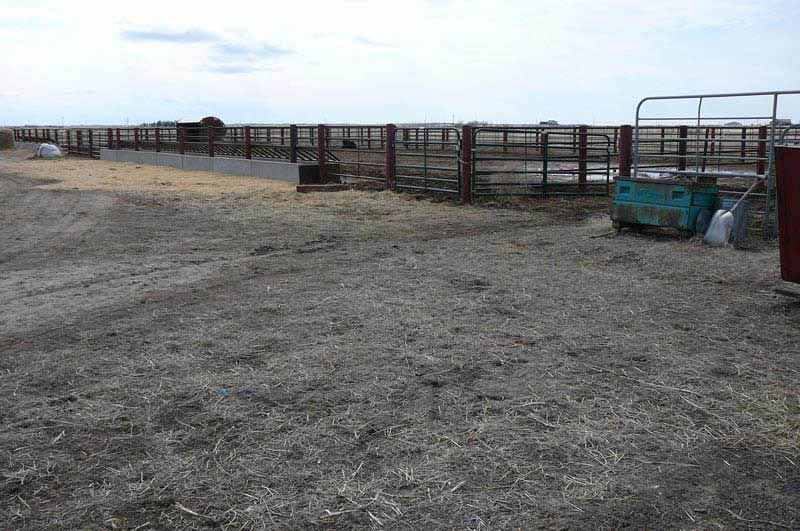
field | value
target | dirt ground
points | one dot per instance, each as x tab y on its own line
196	351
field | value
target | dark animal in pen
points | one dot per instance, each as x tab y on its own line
349	144
198	131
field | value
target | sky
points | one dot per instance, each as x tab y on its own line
335	61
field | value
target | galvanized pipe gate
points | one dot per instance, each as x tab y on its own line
763	158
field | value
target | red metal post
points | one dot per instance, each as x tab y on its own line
743	152
136	139
583	156
110	138
625	150
158	140
615	146
248	143
321	137
390	157
466	164
683	135
210	141
182	140
293	144
91	142
787	173
574	140
761	165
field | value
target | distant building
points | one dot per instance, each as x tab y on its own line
734	124
782	121
548	122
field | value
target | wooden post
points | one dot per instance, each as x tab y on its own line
91	142
466	164
390	157
248	143
158	140
321	141
505	141
661	144
625	150
293	144
69	140
119	139
210	141
136	139
110	138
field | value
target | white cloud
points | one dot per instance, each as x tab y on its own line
381	60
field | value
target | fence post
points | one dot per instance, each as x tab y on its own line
683	135
55	133
321	135
91	142
505	141
625	150
583	155
69	140
109	138
574	140
661	144
136	139
210	141
390	157
761	165
743	152
248	143
182	140
466	164
615	147
293	144
544	140
78	140
158	139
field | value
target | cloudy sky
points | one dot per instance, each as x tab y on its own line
579	61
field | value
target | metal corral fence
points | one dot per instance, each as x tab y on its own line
464	161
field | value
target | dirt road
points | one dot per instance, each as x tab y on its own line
190	351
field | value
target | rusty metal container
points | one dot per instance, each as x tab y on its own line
683	205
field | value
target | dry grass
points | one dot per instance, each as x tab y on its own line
180	356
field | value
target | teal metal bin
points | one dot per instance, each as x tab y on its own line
686	206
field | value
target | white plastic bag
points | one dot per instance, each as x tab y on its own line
48	151
719	232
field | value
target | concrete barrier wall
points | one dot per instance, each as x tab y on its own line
268	169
